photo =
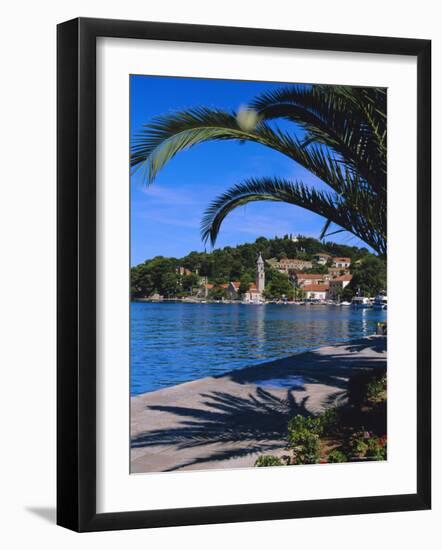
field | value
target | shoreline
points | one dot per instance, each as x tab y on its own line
226	421
303	303
234	302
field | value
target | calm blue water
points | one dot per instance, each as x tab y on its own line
175	342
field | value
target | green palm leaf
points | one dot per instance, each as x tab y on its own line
351	216
165	136
341	118
344	145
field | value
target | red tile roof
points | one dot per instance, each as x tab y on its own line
343	278
311	276
315	288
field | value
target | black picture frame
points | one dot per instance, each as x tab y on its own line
76	272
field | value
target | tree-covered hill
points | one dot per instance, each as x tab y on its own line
161	274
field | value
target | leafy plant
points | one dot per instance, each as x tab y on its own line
304	439
329	420
354	431
359	444
377	448
337	456
268	460
367	445
377	389
300	423
279	286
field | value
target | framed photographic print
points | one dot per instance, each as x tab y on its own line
243	226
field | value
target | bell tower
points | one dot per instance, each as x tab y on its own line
260	275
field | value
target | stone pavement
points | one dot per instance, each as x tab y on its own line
228	421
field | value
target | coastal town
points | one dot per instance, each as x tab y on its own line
322	279
308	286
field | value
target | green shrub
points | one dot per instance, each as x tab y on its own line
336	456
367	445
306	450
329	420
268	460
377	448
360	447
300	423
304	439
377	389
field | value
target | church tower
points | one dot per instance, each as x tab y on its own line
260	275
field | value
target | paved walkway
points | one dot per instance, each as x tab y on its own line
227	421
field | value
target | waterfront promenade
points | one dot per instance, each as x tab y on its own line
227	421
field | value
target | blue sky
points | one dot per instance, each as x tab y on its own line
165	217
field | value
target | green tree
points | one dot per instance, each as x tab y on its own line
298	294
141	282
169	285
343	144
217	293
347	294
245	282
239	263
193	260
317	268
189	282
279	287
369	277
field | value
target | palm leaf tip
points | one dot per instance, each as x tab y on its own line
350	214
159	141
265	189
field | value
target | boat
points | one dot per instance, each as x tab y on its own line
360	302
345	303
380	302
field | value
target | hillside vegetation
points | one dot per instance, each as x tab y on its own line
161	274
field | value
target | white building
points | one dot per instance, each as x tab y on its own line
322	258
341	262
315	292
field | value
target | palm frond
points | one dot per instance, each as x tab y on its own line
345	119
329	205
344	145
325	229
165	136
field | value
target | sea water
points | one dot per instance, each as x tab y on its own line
175	342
